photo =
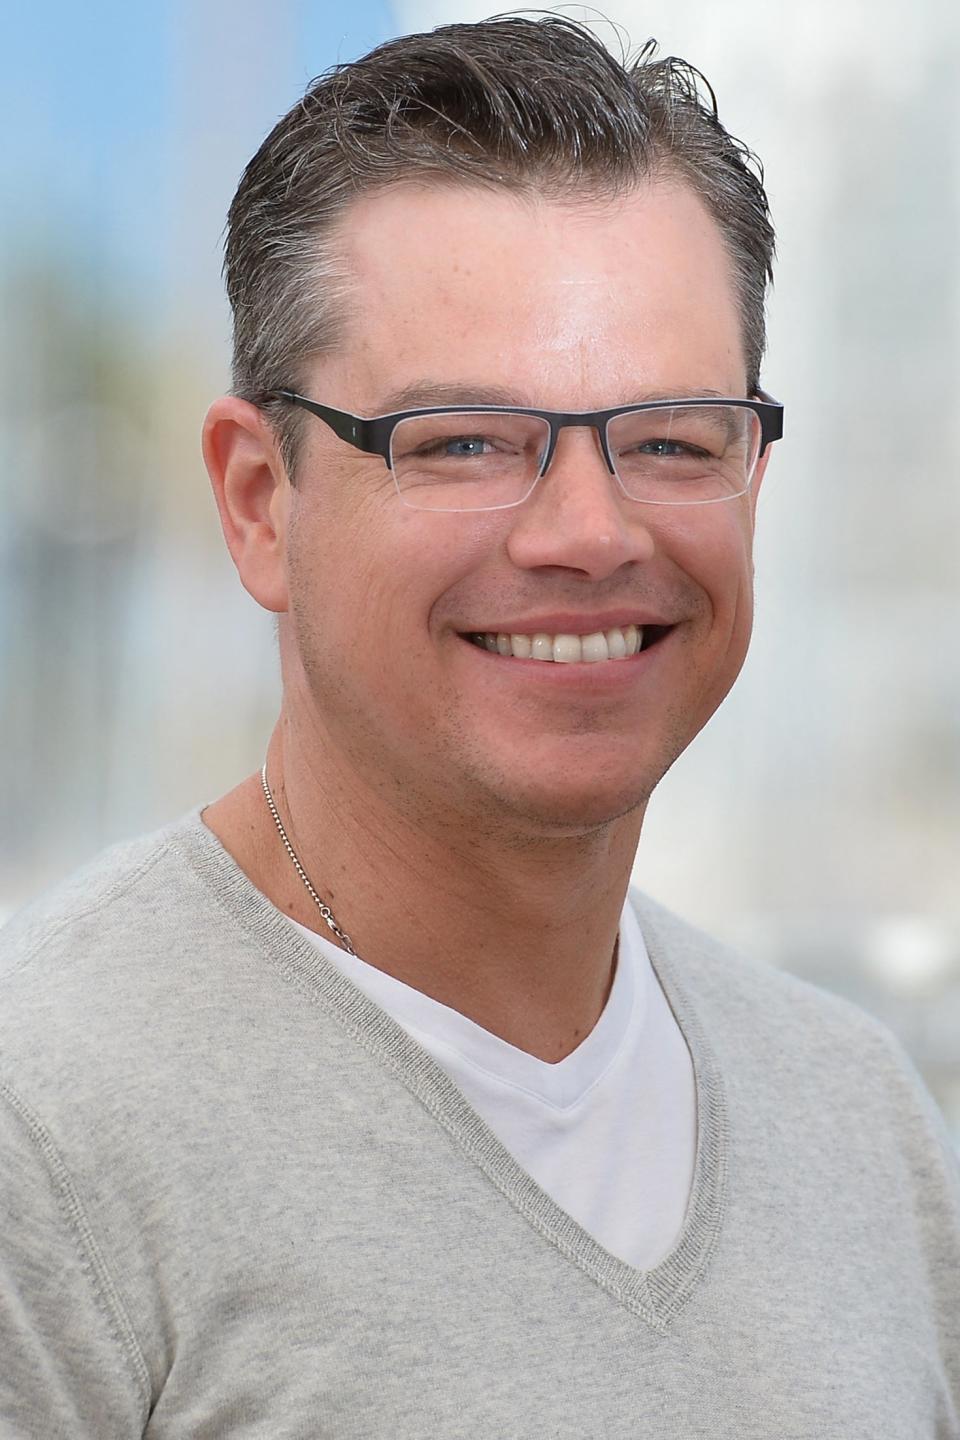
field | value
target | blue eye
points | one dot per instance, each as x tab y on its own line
466	445
673	449
661	447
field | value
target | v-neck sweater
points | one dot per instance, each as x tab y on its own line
609	1132
239	1199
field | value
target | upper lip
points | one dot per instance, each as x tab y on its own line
565	622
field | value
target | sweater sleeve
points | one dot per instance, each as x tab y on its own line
70	1364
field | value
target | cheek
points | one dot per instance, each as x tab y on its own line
714	546
714	551
732	597
376	574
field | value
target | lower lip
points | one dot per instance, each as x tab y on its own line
592	677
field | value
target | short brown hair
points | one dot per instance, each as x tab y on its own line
528	105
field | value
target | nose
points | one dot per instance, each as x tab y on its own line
577	517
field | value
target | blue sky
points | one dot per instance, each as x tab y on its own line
106	107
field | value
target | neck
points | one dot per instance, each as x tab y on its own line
519	937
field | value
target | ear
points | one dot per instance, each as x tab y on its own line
252	492
757	481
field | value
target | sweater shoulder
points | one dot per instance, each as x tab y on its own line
796	1032
745	991
82	914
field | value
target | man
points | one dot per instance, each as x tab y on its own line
362	1102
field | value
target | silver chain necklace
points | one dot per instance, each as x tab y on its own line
326	914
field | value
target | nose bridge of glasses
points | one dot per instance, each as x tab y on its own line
597	422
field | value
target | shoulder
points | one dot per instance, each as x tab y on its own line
111	894
720	978
783	1035
104	948
114	984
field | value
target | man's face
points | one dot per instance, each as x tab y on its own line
568	307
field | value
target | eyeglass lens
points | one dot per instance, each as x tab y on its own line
489	460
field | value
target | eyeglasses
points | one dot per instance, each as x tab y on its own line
473	457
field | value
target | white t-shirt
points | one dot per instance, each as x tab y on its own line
609	1131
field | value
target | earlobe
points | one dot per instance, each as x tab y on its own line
251	489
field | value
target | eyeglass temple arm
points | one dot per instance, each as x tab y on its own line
349	427
771	419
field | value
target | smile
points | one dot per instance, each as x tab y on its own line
619	643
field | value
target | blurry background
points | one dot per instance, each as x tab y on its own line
816	822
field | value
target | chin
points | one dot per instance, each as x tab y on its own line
586	781
552	811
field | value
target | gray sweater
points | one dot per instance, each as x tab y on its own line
238	1200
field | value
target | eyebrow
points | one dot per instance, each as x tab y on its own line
430	392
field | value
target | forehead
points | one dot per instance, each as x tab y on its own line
565	304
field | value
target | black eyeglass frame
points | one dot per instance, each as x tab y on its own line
374	434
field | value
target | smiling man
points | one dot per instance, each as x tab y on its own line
364	1101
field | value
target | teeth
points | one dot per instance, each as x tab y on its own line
595	647
567	649
615	644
